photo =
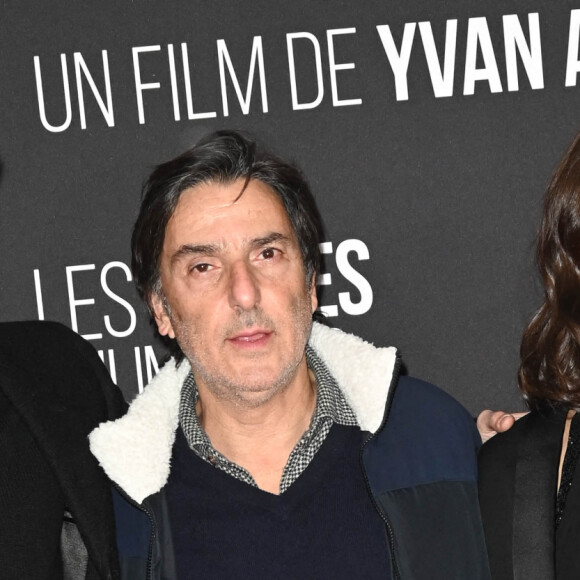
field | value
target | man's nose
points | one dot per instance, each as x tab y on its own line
244	289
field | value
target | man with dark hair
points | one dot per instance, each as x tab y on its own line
271	446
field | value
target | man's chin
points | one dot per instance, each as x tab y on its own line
253	394
254	400
250	384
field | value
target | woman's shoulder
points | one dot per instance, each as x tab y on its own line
517	481
535	427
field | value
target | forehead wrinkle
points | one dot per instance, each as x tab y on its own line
208	193
235	197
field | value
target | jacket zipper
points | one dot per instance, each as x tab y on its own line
390	534
142	508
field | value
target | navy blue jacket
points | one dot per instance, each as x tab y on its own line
419	460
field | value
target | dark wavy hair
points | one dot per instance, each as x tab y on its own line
549	372
221	157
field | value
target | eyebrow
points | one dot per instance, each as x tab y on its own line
187	250
194	250
273	237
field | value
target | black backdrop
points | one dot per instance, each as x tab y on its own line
428	131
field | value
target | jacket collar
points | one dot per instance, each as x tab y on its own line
135	450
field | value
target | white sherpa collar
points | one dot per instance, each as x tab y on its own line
135	450
363	372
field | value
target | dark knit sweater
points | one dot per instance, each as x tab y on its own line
323	526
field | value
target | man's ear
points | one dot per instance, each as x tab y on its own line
313	296
161	316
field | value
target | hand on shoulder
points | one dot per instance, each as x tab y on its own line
489	422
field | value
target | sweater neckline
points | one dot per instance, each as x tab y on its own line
187	465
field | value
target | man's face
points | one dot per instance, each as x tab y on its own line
235	293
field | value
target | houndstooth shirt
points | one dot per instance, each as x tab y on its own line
331	407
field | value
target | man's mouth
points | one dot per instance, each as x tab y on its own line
254	337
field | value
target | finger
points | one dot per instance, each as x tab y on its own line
504	422
489	423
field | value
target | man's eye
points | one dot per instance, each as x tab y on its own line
268	253
201	268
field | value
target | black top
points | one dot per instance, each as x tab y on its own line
568	468
518	478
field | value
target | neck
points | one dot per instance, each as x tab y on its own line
260	438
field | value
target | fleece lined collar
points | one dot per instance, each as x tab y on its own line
135	450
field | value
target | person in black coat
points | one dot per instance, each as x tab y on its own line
56	512
529	478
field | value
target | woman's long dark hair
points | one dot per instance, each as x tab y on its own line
550	351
